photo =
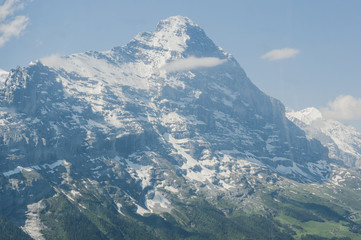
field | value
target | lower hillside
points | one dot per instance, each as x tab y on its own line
268	207
9	230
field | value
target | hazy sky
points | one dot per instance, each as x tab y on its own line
305	53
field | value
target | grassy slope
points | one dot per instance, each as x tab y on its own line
8	230
319	210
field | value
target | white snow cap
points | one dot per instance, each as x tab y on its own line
306	115
174	23
170	34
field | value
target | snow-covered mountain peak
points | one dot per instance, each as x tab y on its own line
307	115
177	36
174	23
175	39
174	83
169	35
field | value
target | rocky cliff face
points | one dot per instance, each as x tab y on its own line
159	84
169	114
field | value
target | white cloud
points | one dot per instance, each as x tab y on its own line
11	26
2	71
344	107
54	60
13	29
9	7
278	54
192	63
3	76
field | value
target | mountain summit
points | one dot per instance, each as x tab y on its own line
178	35
171	34
128	91
116	136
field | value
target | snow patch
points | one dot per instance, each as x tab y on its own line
75	193
337	179
143	173
171	189
294	169
119	207
142	211
56	164
33	226
20	169
12	172
190	161
159	203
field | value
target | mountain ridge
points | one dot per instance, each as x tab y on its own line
83	67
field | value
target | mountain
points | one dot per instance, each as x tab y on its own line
343	142
163	138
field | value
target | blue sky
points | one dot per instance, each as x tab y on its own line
324	35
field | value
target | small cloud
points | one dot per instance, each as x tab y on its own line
3	76
192	63
9	7
278	54
12	29
344	107
11	26
52	60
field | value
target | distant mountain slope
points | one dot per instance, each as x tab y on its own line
343	142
